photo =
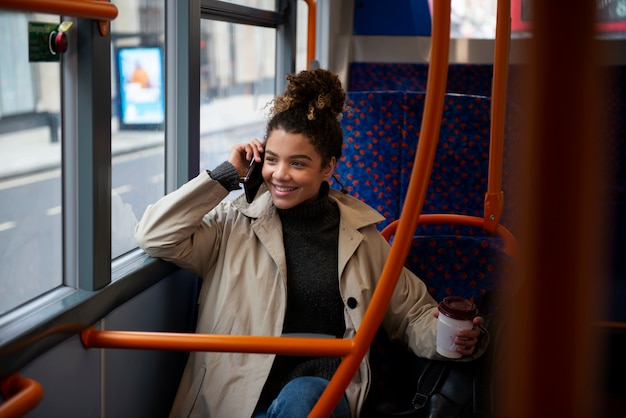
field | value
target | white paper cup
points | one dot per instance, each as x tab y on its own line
454	313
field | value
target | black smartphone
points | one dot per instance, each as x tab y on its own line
253	180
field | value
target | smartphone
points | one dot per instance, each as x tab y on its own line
253	180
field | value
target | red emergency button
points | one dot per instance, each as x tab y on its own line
57	42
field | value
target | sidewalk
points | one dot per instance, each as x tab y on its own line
31	151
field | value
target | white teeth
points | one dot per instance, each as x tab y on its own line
284	189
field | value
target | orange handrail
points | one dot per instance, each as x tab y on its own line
311	31
494	198
88	9
509	240
22	395
353	350
303	346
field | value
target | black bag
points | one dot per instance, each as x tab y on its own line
419	388
443	389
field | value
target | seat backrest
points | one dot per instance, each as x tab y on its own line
475	268
472	79
466	266
373	136
381	133
458	181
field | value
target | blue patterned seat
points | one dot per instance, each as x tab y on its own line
449	265
462	78
458	181
370	166
381	131
459	265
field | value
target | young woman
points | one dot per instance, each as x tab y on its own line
301	258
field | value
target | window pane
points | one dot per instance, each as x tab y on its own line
302	10
138	118
237	82
472	19
30	162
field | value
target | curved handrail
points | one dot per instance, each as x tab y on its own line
22	395
509	240
88	9
494	198
353	350
311	31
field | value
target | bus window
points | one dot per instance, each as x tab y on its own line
30	166
138	116
237	80
302	13
473	19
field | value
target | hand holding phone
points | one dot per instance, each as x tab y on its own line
253	180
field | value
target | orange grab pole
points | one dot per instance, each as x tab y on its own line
509	240
425	155
494	199
22	395
311	31
305	346
97	10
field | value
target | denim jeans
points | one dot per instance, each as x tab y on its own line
297	399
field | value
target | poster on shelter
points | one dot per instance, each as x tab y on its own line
141	87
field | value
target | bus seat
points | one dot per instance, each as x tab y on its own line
471	267
475	79
381	130
466	266
370	166
458	181
462	78
374	76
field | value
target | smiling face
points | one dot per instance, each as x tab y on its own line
292	169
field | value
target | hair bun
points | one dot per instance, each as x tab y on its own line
319	91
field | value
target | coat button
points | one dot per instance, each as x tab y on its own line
352	303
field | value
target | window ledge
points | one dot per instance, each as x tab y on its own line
33	328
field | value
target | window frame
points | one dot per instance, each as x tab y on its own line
94	285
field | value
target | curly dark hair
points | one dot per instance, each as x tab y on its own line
311	105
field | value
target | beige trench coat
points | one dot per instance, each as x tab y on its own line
238	250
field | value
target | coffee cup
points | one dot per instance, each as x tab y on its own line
455	313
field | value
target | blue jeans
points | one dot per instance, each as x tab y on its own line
298	398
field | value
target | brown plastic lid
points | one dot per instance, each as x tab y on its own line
459	308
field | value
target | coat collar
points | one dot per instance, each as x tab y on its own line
354	215
359	213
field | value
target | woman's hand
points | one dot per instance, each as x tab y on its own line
466	340
242	154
